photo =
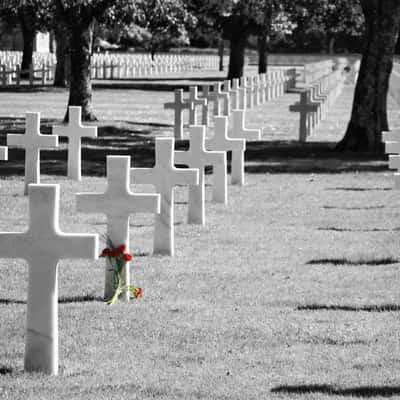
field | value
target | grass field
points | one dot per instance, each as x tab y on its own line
290	292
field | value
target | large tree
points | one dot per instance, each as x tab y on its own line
162	24
79	17
31	16
369	112
326	20
245	18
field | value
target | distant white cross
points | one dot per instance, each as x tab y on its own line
221	142
198	157
75	131
194	98
233	90
43	245
164	177
392	147
305	107
32	141
117	203
179	105
240	132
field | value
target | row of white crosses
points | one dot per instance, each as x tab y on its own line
392	147
43	245
315	101
239	95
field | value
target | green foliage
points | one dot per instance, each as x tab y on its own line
327	20
159	25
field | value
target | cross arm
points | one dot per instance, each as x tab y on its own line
77	245
182	157
142	175
216	158
187	176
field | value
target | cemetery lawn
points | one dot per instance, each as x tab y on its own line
290	292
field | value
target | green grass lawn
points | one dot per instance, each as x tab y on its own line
289	292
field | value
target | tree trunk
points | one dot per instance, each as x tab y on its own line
236	57
331	45
61	77
369	113
221	46
27	19
262	54
80	91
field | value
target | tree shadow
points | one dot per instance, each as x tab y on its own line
5	370
346	261
359	189
338	307
358	391
335	229
354	208
11	301
87	298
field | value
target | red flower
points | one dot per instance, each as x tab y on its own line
114	253
106	252
122	248
127	257
137	293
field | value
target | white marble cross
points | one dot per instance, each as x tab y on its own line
215	97
262	88
304	107
194	98
198	157
221	142
240	132
179	105
392	147
233	90
247	85
117	203
256	86
3	153
74	131
32	141
43	245
164	177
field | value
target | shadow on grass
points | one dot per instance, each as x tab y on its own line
87	298
353	208
62	300
334	229
137	140
346	261
359	189
358	391
5	370
11	301
337	307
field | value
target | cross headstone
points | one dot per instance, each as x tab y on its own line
179	105
233	91
221	142
74	131
43	245
164	177
32	141
198	157
304	107
117	203
392	147
256	86
262	87
240	132
196	101
247	85
3	153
